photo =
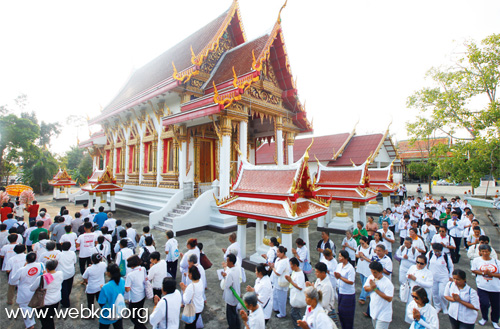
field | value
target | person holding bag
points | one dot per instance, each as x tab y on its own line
167	309
111	299
302	255
51	281
192	297
280	285
264	290
297	284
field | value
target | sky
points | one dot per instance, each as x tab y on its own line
354	60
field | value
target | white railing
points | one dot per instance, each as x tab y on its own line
156	216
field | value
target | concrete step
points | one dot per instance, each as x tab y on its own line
163	227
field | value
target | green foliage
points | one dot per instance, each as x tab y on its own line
462	104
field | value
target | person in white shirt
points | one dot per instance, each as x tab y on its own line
110	223
233	248
346	276
122	256
407	256
324	285
271	254
381	298
487	272
381	257
331	264
297	284
325	243
67	217
166	313
13	264
40	246
51	253
131	233
349	244
315	316
455	230
364	255
388	238
231	277
464	301
420	312
66	264
444	239
70	237
418	275
441	266
302	254
416	241
192	246
102	248
7	250
26	236
157	272
145	234
52	284
24	278
172	252
94	278
134	284
280	268
404	226
254	320
264	290
428	232
86	243
473	251
193	293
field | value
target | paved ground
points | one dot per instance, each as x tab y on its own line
214	313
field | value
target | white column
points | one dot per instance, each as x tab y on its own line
355	212
259	233
182	162
97	201
113	156
91	200
386	200
125	163
243	140
241	236
304	234
141	161
225	158
159	159
286	237
279	143
290	153
112	201
362	212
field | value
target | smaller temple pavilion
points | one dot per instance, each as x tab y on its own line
61	182
99	185
345	184
381	179
281	195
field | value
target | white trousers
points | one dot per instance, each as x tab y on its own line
279	301
28	321
440	303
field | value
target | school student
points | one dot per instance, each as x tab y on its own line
94	278
67	261
166	312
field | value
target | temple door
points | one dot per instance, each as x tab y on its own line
206	161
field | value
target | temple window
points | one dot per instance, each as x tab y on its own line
168	155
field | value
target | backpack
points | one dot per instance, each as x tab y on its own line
445	259
123	266
146	258
21	228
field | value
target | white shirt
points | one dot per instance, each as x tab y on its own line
71	238
15	263
66	264
172	246
363	265
87	244
135	281
429	235
24	278
447	240
110	223
157	318
53	294
124	254
351	243
194	293
317	318
458	311
473	252
256	319
331	266
303	254
424	279
386	263
67	219
184	266
300	280
7	252
272	254
411	253
325	286
282	267
95	276
131	234
232	279
49	255
403	228
487	283
455	227
150	248
390	235
264	291
427	312
348	273
84	212
440	270
157	273
380	309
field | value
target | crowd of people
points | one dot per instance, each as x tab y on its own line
123	268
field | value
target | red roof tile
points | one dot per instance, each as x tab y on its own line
308	208
387	187
266	181
344	177
419	149
358	150
257	207
377	175
323	148
345	194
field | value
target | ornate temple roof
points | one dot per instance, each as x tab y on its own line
101	181
381	179
62	178
98	138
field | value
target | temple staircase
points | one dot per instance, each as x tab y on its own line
143	199
167	223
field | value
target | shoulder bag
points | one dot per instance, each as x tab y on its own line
189	312
38	299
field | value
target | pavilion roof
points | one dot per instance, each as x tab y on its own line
381	179
102	181
62	178
97	138
347	194
354	176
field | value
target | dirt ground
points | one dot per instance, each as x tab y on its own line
214	312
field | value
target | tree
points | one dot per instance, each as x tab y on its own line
463	104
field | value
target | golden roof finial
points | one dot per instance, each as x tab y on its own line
306	154
216	93
235	81
353	164
193	57
175	70
279	14
317	160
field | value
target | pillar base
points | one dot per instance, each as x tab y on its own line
374	209
341	223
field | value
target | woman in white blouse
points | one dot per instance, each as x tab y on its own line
377	239
463	302
301	253
420	310
192	246
134	284
280	285
364	254
419	275
315	317
346	276
264	290
272	253
52	282
193	293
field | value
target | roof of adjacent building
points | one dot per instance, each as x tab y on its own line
358	150
419	149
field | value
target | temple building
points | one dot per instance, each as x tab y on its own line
183	123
